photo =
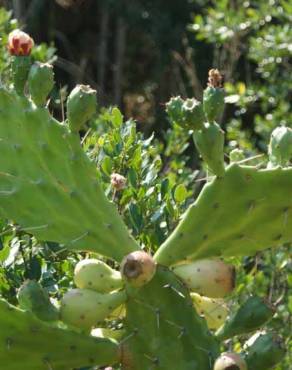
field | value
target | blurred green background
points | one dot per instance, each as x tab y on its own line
138	54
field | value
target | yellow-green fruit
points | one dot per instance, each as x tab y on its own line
214	310
138	268
212	278
96	275
85	308
230	361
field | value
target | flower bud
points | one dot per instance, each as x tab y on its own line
20	43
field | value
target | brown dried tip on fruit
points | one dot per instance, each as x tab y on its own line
118	181
215	78
19	43
138	268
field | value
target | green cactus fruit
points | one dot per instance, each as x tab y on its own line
211	278
236	155
40	82
81	106
32	297
96	275
210	144
266	352
213	97
231	361
138	268
20	67
214	311
280	147
250	316
193	115
85	308
174	109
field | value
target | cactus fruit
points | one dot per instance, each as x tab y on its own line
30	344
32	297
174	109
193	114
214	311
236	155
84	308
211	278
230	361
213	99
280	148
210	144
96	275
250	316
138	268
41	82
266	351
81	106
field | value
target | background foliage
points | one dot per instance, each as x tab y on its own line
138	54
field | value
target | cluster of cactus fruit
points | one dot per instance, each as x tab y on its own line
170	305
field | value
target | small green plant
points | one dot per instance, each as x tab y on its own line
169	305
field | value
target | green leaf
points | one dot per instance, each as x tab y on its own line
117	117
180	193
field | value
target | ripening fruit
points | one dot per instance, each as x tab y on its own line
96	275
210	143
212	278
85	308
138	268
214	310
81	106
230	361
213	99
40	82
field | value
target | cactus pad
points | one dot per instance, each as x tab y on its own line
48	185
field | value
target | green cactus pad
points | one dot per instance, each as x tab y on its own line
266	352
30	344
210	144
251	316
32	297
280	148
246	211
49	186
20	69
163	329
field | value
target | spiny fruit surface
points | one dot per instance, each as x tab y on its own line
138	268
211	278
85	308
214	311
96	275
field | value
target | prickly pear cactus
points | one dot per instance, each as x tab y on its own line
170	305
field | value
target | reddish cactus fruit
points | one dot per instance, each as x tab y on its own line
138	268
20	43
